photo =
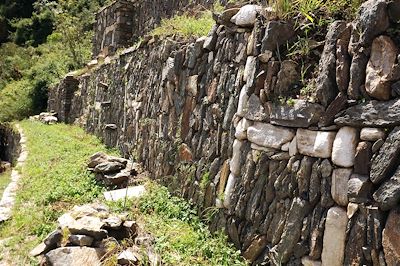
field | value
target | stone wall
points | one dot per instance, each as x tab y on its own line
122	22
9	143
305	180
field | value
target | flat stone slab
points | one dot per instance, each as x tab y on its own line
315	143
129	192
268	135
371	114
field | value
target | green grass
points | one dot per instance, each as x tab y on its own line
185	25
54	178
5	179
181	237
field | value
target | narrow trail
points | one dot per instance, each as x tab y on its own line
8	199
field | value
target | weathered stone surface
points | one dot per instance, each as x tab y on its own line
255	111
343	60
230	185
394	10
130	256
293	147
301	114
117	178
340	178
292	230
276	34
325	168
337	105
286	78
88	225
243	102
377	145
334	237
75	256
386	161
326	81
241	129
96	159
373	20
108	167
256	247
391	238
307	261
344	147
380	68
372	134
357	240
388	194
53	240
236	160
315	143
359	188
129	192
357	73
362	158
371	114
246	16
268	135
80	240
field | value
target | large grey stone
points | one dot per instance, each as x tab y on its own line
371	114
344	147
359	188
373	20
380	68
276	34
362	159
75	256
388	194
108	167
372	134
334	237
340	179
326	80
301	114
386	161
315	143
255	111
88	225
268	135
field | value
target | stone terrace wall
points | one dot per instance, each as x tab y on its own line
291	182
9	143
123	22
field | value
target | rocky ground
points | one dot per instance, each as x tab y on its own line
91	235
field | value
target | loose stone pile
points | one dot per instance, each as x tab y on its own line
115	171
311	180
49	118
91	235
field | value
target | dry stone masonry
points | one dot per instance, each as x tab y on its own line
312	181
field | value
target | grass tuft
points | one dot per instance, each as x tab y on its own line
185	25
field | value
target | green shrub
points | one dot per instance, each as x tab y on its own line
181	237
